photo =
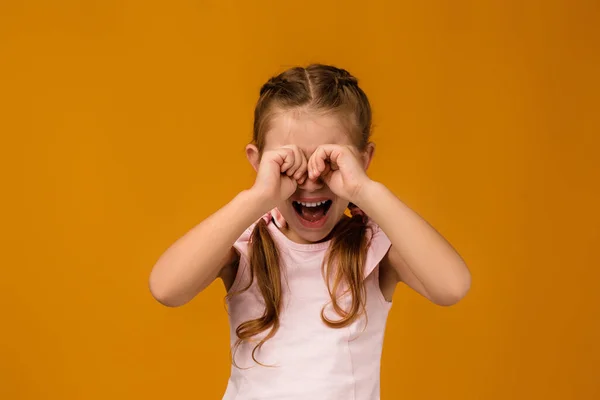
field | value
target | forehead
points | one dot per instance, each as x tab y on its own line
305	130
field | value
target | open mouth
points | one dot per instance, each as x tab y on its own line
312	212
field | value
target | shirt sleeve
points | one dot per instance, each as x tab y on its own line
242	244
378	247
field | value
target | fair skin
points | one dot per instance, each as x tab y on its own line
309	158
301	135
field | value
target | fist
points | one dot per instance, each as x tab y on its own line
279	173
341	168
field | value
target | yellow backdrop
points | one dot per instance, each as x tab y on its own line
123	125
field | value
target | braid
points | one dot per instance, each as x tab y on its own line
343	78
286	84
274	84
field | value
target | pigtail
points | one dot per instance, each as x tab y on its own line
343	267
264	267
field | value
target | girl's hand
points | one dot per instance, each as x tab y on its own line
340	168
279	173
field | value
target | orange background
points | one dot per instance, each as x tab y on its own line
124	122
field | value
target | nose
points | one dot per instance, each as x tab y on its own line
312	186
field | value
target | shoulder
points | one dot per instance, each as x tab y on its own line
379	245
242	242
377	236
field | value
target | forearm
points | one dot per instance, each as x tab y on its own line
424	252
195	260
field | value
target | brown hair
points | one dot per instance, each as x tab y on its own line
325	89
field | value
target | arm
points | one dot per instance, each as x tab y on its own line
419	255
195	260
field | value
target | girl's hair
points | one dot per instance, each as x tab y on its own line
328	90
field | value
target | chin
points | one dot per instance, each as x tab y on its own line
312	236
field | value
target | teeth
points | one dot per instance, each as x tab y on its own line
311	204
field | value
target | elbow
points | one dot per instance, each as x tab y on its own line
455	291
163	294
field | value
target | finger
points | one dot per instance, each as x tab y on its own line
313	171
335	153
301	171
319	162
322	159
297	161
300	180
286	158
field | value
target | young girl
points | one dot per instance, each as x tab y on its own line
310	287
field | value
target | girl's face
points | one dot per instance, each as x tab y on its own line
307	223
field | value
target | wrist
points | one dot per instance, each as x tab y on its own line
369	191
258	199
255	204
